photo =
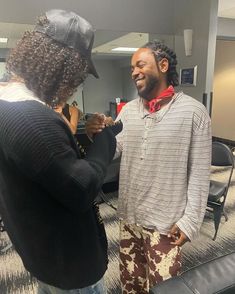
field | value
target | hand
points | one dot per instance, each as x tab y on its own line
109	121
116	127
178	236
95	124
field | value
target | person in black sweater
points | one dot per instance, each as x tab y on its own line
47	191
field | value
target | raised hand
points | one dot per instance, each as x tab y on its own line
95	124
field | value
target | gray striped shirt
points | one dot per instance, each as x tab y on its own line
165	165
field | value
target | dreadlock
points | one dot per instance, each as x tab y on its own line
162	51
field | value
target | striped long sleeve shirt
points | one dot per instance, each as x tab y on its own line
165	165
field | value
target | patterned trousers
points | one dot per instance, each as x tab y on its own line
146	258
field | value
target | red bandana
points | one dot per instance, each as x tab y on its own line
154	104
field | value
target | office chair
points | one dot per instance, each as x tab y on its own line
2	228
221	156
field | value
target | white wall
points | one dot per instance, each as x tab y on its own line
99	92
129	88
2	69
3	52
223	117
226	28
201	16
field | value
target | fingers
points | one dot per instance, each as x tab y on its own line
174	232
97	118
109	121
178	237
116	127
92	129
179	241
95	124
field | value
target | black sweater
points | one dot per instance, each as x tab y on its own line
47	193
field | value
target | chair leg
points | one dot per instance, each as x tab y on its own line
2	229
217	217
225	216
7	247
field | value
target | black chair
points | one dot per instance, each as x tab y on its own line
221	156
2	228
212	277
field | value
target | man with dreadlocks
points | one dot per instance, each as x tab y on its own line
165	167
47	191
165	146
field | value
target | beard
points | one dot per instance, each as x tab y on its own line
150	85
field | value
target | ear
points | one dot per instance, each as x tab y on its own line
163	65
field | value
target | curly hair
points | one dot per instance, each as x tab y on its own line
49	69
162	51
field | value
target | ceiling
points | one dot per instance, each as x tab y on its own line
105	40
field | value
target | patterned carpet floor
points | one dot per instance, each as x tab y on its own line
15	280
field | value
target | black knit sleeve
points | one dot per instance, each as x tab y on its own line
76	182
40	145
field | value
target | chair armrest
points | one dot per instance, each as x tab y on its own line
215	276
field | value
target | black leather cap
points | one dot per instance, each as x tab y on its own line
71	30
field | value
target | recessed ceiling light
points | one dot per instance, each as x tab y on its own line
125	49
3	40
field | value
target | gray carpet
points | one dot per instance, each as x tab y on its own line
15	280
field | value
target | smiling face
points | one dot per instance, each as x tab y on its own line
148	75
